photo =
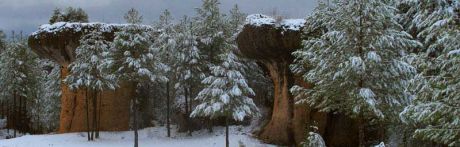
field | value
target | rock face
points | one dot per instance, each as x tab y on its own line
271	43
115	108
58	42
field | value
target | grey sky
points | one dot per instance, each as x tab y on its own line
27	15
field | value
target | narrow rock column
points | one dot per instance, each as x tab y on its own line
280	128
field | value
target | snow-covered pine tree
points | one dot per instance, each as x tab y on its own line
45	109
356	66
210	30
226	93
425	20
132	59
189	66
88	71
316	25
435	109
19	80
235	22
166	45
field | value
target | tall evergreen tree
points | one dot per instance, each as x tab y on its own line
435	109
19	79
46	106
357	67
166	45
226	93
88	71
190	64
133	59
235	22
210	30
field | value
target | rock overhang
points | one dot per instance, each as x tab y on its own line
265	38
58	41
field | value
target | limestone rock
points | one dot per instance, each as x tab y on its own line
271	43
58	42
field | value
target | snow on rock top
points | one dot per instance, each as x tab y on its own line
287	24
60	26
293	24
259	20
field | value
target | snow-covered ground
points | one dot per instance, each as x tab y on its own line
149	137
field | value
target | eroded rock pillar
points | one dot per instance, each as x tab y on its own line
115	110
279	130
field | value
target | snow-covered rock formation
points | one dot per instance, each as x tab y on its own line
58	42
271	43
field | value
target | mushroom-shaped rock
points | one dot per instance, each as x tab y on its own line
58	42
271	42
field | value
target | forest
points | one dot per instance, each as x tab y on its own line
379	73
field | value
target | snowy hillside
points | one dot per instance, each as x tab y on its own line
147	137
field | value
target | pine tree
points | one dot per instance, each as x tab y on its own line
435	108
235	22
70	14
133	16
133	59
210	30
46	106
226	93
56	16
166	45
75	15
189	66
2	41
356	66
19	80
88	71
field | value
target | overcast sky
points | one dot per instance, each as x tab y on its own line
27	15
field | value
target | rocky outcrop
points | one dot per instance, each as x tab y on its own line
271	43
58	42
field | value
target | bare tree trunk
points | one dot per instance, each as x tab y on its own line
210	124
15	115
135	123
227	143
8	115
25	120
94	97
87	114
381	132
20	120
99	115
3	111
136	135
187	117
362	141
168	103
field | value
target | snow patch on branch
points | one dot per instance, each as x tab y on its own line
454	52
